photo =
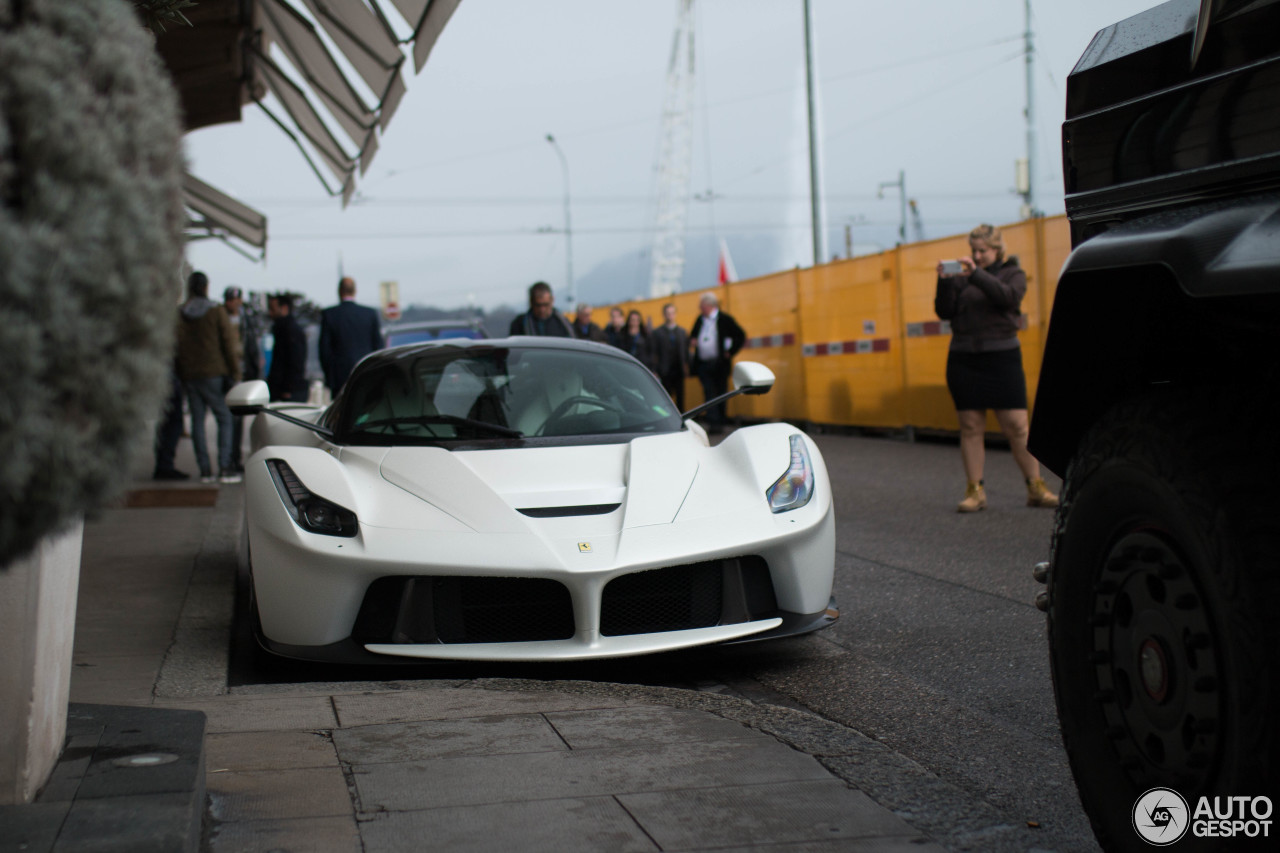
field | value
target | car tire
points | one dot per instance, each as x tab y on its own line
1163	571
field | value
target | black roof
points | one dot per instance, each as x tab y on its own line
1152	51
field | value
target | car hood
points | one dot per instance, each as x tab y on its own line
647	478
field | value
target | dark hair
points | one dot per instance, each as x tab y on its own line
346	286
284	298
536	288
198	284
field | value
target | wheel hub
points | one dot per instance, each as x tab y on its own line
1156	667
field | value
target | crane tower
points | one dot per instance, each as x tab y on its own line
675	160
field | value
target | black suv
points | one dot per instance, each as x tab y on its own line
1158	404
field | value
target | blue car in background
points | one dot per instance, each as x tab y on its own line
397	334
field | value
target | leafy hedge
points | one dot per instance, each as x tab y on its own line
90	247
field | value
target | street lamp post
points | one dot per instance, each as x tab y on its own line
568	229
901	184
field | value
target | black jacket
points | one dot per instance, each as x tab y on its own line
985	307
348	332
730	338
670	350
288	372
555	326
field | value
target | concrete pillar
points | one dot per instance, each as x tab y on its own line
37	628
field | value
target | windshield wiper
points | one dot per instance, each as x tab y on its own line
452	420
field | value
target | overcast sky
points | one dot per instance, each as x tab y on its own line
464	203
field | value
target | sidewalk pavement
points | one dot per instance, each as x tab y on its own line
162	756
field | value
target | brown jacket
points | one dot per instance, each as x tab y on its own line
208	345
985	308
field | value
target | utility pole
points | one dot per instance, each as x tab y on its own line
901	184
568	228
1028	190
815	176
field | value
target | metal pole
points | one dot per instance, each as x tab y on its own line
568	228
901	184
1029	198
902	206
815	180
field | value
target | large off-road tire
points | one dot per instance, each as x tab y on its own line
1162	634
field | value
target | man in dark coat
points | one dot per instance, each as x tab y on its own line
542	318
287	376
670	354
348	332
713	342
584	328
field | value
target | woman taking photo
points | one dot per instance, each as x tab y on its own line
982	297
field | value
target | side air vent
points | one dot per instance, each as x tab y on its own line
568	511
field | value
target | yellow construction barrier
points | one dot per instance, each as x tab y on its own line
856	342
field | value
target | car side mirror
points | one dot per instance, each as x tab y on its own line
248	398
749	377
752	377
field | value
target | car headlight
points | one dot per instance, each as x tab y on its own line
311	512
794	488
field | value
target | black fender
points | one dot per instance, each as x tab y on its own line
1189	297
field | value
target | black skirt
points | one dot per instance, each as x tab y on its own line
987	380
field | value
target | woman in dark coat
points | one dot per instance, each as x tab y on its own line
635	339
982	298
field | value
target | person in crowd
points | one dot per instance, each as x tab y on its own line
713	342
169	431
348	332
583	327
250	363
615	332
287	377
670	344
208	357
981	295
636	339
542	318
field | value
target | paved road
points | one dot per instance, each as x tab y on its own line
939	653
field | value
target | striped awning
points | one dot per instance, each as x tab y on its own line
326	115
216	214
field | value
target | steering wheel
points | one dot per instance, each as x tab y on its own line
568	403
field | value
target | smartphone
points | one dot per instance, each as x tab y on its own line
952	268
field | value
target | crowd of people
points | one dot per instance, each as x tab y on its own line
979	294
706	351
218	346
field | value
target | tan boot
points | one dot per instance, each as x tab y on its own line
1039	495
975	498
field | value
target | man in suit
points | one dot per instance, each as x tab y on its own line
670	354
713	342
348	332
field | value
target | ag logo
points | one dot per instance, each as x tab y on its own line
1161	817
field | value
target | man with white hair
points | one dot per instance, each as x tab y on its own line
713	342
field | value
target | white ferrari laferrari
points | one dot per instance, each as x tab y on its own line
526	499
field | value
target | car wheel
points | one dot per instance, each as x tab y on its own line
1162	652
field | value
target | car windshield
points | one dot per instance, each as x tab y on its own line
452	393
